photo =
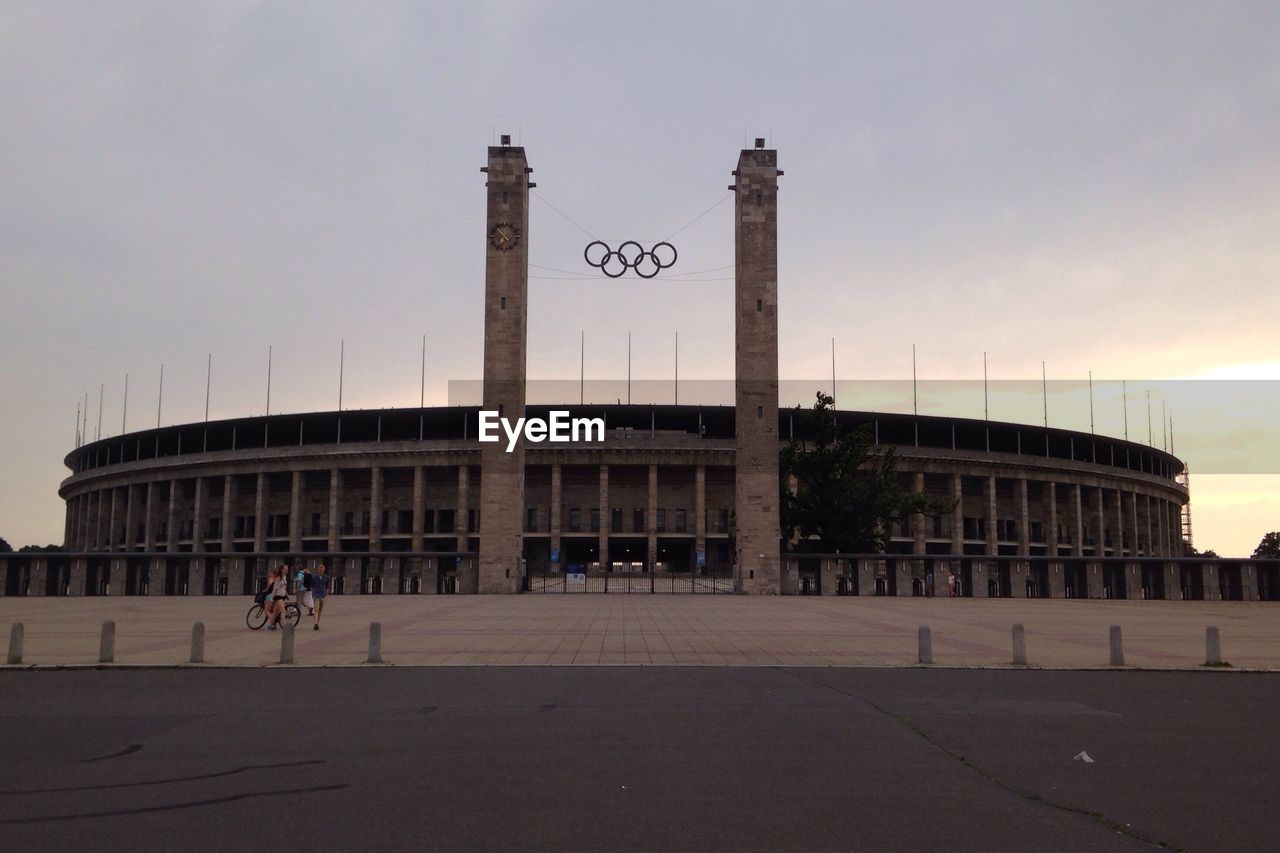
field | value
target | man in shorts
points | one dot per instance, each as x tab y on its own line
319	590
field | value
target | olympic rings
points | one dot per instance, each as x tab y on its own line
629	256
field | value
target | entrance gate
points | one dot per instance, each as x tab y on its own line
701	582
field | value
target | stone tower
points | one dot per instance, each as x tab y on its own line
757	538
506	288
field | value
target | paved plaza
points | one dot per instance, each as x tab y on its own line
639	629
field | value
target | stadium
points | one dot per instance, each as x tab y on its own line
675	498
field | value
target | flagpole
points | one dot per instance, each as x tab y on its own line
342	360
986	404
582	366
269	348
833	371
1044	390
915	403
422	391
124	412
101	387
1124	397
677	385
628	367
208	377
160	398
1091	402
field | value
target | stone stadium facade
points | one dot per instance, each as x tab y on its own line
675	498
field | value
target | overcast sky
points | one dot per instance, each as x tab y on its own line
1092	185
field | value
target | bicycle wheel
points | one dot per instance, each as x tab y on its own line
256	617
292	613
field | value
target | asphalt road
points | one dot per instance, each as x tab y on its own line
636	758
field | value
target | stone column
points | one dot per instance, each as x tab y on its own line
171	523
1101	547
554	521
197	517
1249	582
1052	537
148	527
866	577
375	509
756	539
1151	537
700	513
1078	517
228	508
1119	523
904	578
295	513
260	515
1057	580
1133	502
335	507
993	548
978	578
1209	580
1172	581
957	514
95	519
112	521
603	541
130	519
506	286
419	517
460	514
827	576
1093	580
917	519
1161	520
650	518
1024	519
1133	581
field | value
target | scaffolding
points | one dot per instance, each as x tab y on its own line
1184	479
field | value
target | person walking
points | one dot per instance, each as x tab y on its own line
319	591
302	589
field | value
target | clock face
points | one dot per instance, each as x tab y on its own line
504	236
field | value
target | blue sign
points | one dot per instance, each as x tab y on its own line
555	555
702	559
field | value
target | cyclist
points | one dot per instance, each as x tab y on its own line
279	595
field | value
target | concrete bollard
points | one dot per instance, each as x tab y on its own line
107	644
197	643
1117	646
1212	647
1019	645
286	644
375	642
15	643
925	637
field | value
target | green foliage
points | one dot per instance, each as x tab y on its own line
847	497
1191	551
1269	546
32	549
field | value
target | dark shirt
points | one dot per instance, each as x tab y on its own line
319	585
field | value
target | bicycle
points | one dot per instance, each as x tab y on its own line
257	615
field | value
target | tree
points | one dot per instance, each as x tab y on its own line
31	549
5	547
1190	550
847	496
1269	547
